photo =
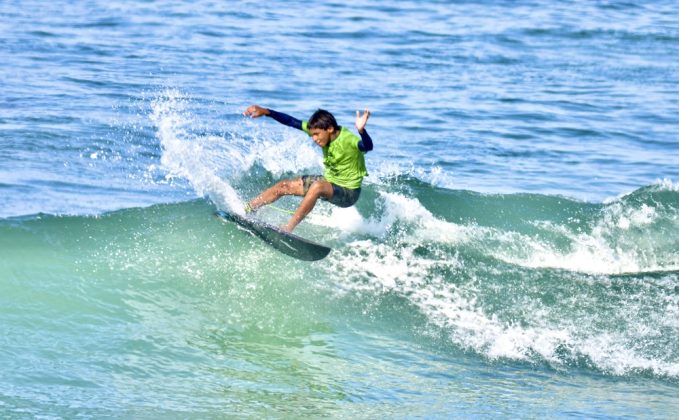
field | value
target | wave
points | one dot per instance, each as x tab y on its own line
529	277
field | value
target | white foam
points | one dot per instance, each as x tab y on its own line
622	240
390	263
373	267
377	268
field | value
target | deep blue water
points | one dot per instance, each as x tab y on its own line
514	253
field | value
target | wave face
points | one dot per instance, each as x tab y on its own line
520	277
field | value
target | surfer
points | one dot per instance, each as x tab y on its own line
343	160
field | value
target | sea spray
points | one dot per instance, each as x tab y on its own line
214	163
187	155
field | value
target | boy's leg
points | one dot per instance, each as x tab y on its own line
278	190
320	188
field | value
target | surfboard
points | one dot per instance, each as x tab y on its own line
287	243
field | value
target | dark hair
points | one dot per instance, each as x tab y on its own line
322	119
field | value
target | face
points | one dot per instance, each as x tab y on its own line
322	137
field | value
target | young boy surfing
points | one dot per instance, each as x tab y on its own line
343	160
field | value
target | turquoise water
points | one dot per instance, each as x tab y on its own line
515	252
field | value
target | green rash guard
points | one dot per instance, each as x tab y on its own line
344	162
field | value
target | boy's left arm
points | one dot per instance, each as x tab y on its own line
366	143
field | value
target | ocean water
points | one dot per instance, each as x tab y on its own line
514	254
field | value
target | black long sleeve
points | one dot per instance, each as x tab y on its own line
285	119
366	143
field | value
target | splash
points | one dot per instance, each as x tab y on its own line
214	165
191	156
666	184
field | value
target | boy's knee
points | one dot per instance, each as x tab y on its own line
319	189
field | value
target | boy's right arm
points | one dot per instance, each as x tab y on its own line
256	111
285	119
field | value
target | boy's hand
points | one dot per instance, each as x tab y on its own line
255	111
362	120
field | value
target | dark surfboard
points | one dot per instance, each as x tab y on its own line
287	243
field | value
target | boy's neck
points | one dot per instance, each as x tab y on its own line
335	134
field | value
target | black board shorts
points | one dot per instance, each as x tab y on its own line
341	197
